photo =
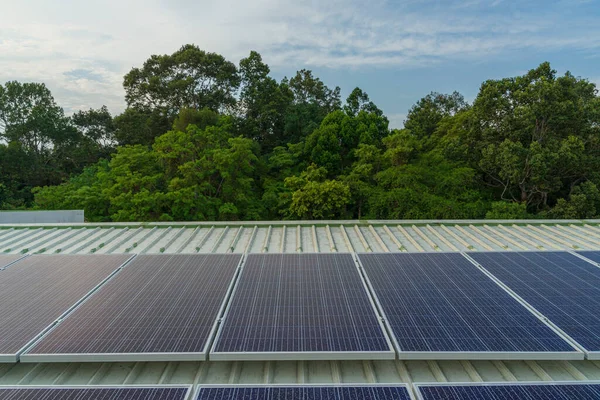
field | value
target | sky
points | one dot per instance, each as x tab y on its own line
396	50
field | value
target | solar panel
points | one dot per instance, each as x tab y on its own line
320	392
165	392
39	289
158	308
591	255
311	306
509	391
561	286
441	306
7	259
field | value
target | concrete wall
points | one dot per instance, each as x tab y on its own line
41	217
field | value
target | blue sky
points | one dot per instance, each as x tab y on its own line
397	51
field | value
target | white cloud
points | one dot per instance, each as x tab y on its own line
43	41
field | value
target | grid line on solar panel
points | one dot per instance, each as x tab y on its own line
309	306
8	259
162	392
559	285
158	308
441	306
591	255
39	289
509	391
303	392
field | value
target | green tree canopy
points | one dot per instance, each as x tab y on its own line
188	78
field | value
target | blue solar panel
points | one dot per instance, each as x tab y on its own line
529	391
592	255
94	393
313	304
159	307
441	302
303	393
561	286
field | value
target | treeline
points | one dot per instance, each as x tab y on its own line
204	139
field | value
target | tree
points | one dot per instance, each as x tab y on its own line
84	191
528	147
315	197
332	144
137	126
281	163
29	115
97	127
188	78
423	118
583	202
534	136
263	103
507	210
42	146
135	185
361	177
16	175
312	100
210	173
190	116
359	101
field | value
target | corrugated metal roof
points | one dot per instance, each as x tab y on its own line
292	236
332	236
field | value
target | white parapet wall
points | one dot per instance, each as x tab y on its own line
41	217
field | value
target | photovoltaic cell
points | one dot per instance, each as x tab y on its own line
159	307
311	305
440	305
303	393
493	391
592	255
37	290
561	286
93	393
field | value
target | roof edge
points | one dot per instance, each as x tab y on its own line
308	223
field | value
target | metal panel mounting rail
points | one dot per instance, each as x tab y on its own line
158	308
441	306
301	307
40	289
8	259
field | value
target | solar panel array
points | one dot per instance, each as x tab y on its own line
534	391
313	305
561	286
37	290
440	302
159	307
305	306
94	393
395	392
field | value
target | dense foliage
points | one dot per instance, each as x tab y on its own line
204	139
